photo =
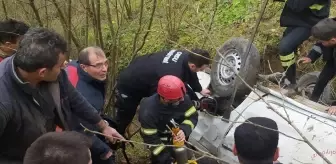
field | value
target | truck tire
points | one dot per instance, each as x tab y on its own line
307	83
223	79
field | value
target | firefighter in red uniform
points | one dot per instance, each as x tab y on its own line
171	103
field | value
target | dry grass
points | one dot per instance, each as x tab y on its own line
137	154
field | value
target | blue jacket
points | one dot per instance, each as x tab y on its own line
26	113
92	89
318	50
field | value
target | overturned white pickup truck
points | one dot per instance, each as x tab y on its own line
215	134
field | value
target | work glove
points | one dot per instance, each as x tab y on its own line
197	104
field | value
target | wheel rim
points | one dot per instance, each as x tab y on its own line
225	74
308	90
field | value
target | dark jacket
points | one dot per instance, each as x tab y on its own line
92	89
2	55
26	113
329	53
304	13
143	74
154	118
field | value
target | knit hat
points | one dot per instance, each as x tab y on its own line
325	29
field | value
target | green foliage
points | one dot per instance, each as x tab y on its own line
185	21
236	11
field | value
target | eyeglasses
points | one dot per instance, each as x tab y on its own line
99	65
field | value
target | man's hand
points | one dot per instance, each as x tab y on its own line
304	60
332	110
180	136
205	92
114	135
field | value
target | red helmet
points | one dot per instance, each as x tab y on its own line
171	87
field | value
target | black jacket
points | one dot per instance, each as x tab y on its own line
304	13
143	74
329	53
26	113
154	117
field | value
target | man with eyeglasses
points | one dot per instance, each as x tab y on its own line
88	75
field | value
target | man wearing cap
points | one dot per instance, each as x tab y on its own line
255	144
325	32
298	16
11	33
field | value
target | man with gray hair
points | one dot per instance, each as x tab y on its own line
88	75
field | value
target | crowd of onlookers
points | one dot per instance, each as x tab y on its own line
39	128
46	99
260	147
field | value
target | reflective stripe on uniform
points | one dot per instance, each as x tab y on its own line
188	122
148	131
317	49
287	60
190	111
316	7
158	149
287	57
288	63
164	139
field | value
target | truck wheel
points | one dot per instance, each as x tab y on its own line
307	83
223	78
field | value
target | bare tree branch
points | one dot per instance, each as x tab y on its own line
128	8
99	29
155	145
5	9
109	18
113	54
147	32
26	12
46	13
65	25
212	19
37	15
87	17
94	20
136	35
68	32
